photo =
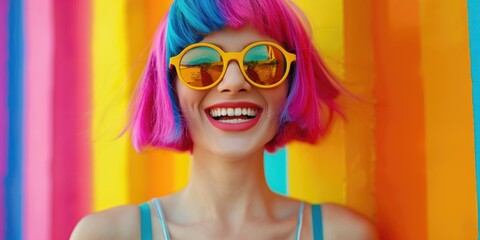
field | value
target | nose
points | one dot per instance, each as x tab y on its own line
233	81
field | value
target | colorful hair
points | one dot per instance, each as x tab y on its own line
310	106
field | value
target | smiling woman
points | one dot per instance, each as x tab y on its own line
187	23
225	81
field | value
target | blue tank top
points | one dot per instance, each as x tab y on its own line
146	224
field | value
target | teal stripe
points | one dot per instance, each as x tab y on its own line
317	222
474	31
276	171
145	222
13	180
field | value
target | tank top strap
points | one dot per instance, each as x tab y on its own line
146	225
317	222
299	220
145	222
161	218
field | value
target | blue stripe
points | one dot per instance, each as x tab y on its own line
13	181
474	31
317	222
276	171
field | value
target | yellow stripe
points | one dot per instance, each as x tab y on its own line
110	98
452	208
326	19
317	173
181	170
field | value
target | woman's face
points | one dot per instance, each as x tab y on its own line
232	137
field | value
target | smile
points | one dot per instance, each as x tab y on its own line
234	116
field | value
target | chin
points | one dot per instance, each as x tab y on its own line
236	149
238	154
241	149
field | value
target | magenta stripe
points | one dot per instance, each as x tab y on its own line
38	111
3	109
71	116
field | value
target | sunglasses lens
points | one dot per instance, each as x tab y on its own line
264	64
201	66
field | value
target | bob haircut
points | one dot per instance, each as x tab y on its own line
157	120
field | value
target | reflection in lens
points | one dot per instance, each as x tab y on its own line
264	64
201	66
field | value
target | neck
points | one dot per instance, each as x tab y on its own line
228	189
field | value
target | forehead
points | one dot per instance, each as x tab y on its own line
235	39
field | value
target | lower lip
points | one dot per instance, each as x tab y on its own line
243	126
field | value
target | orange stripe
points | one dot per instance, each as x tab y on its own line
360	155
151	172
160	162
155	11
161	170
400	137
452	206
137	52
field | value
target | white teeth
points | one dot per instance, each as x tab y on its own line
236	120
219	112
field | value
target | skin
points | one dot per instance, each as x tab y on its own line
227	196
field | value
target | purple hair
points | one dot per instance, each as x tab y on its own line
310	105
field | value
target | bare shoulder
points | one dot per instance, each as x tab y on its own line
343	223
116	223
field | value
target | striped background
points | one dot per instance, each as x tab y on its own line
405	156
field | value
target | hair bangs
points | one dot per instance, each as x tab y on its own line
269	17
190	21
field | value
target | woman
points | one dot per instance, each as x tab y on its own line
226	80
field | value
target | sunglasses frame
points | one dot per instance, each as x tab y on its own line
227	57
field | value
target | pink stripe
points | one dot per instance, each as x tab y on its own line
38	87
3	107
71	116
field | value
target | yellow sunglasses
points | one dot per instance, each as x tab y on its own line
201	66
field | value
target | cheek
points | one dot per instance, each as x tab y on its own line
188	100
276	98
